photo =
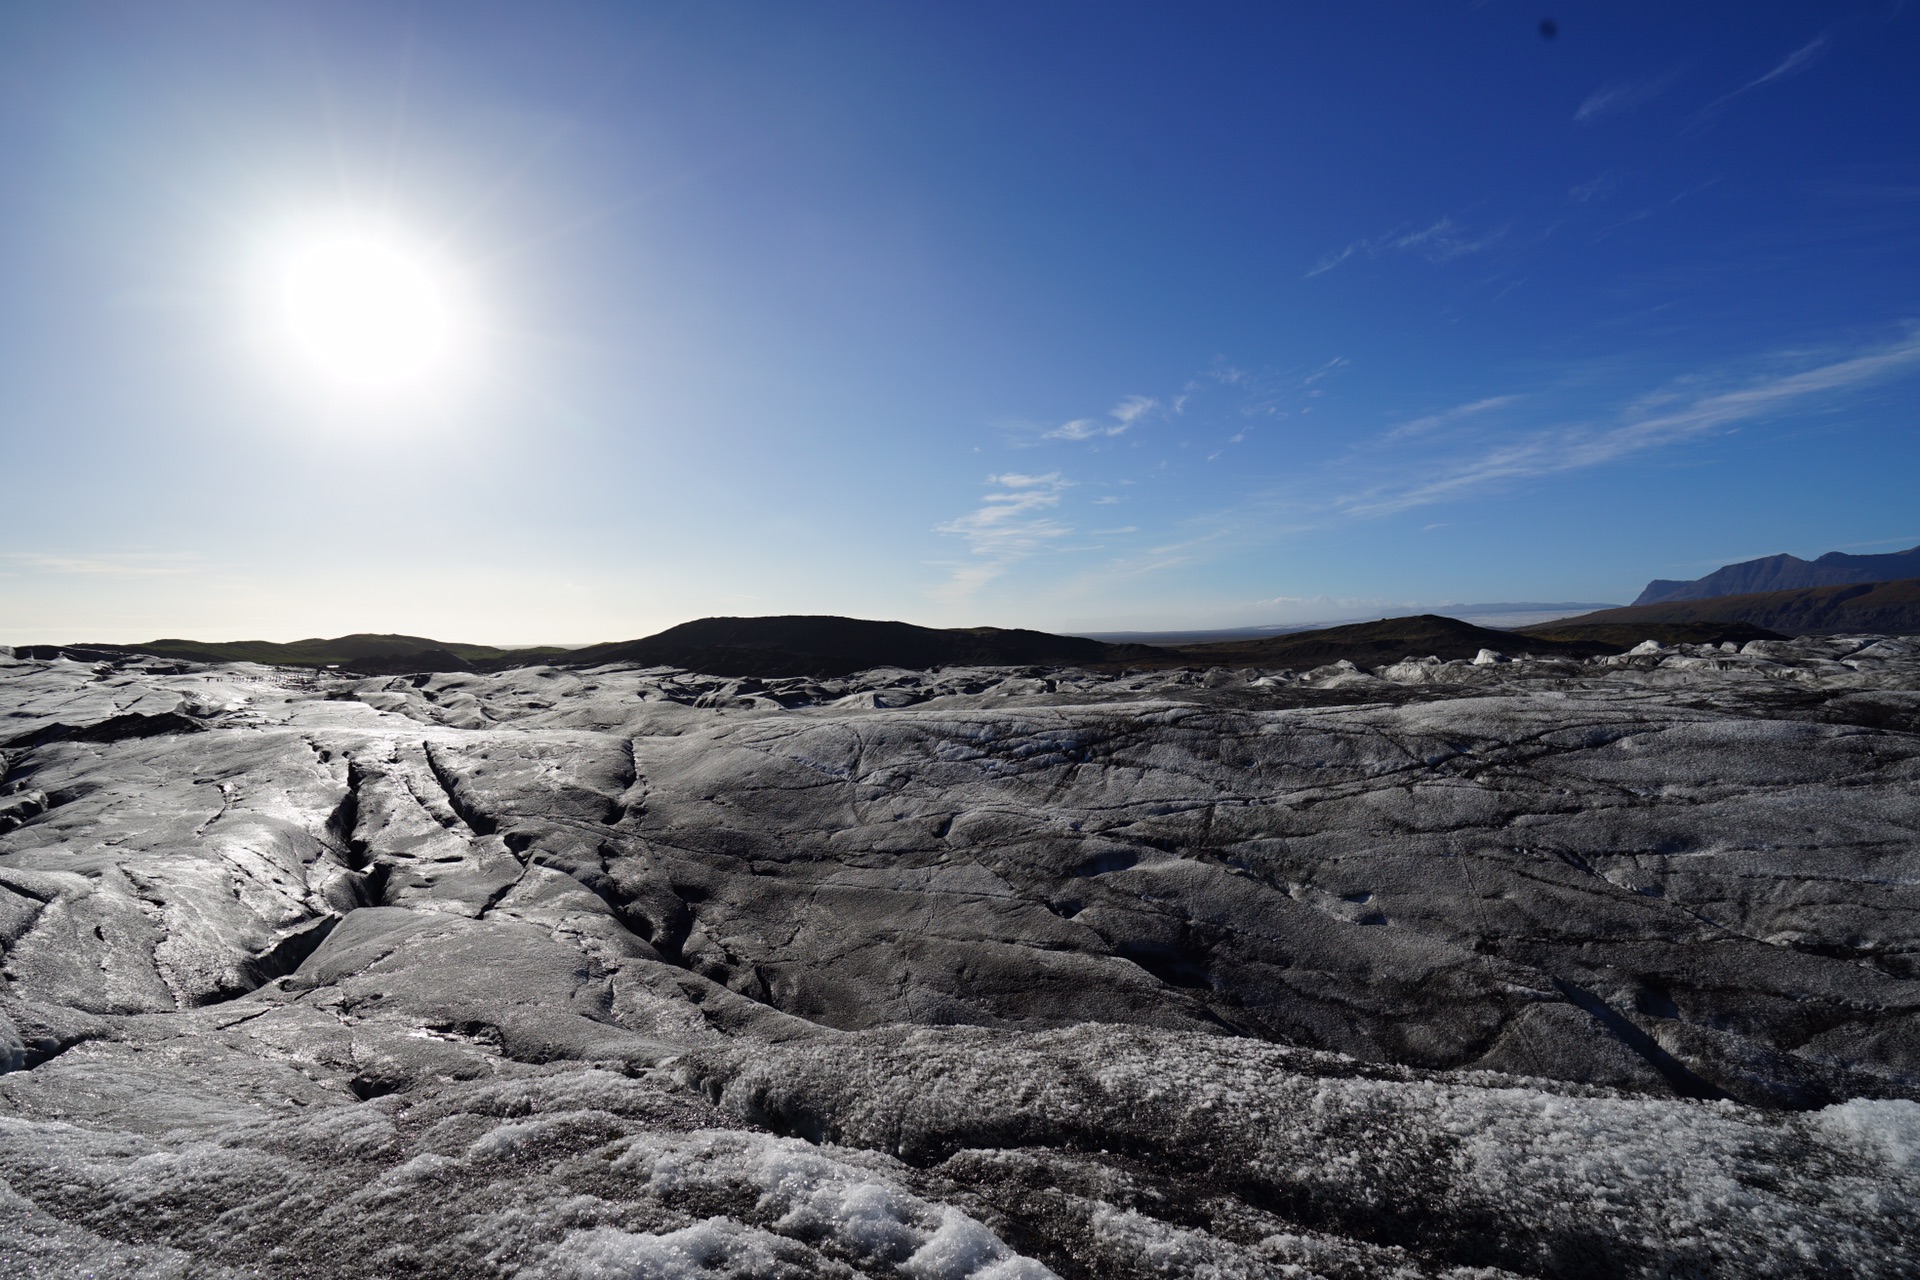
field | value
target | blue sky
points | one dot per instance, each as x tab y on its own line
1076	316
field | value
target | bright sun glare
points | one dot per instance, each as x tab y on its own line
363	311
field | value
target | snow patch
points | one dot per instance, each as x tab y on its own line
962	1249
1887	1130
714	1248
822	1198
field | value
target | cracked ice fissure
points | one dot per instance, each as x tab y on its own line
1544	968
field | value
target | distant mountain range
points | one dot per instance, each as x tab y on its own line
1370	644
1751	600
1785	573
1502	615
830	646
363	652
1887	608
773	646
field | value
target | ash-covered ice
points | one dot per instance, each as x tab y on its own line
1467	969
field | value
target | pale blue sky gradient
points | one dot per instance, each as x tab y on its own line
1075	316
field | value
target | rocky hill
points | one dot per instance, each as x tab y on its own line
1553	967
815	645
1783	573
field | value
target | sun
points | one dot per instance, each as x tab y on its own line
361	310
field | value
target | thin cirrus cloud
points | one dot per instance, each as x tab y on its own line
1124	415
1439	242
1594	189
1622	96
1794	63
1011	523
1798	60
1330	367
1681	418
1434	421
1083	429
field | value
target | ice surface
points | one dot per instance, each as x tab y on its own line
1439	969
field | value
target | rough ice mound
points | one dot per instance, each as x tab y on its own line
1463	969
1886	1131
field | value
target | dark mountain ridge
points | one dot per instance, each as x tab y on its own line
1784	573
372	654
1365	644
1886	608
823	645
1222	635
827	646
1371	644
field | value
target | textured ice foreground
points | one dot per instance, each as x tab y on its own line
1441	969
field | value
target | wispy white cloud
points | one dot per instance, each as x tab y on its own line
1222	374
1331	366
1015	480
1329	261
1526	436
1152	560
1624	95
1124	415
1593	189
1794	63
1446	240
1421	426
1438	242
1011	523
1654	422
1083	429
